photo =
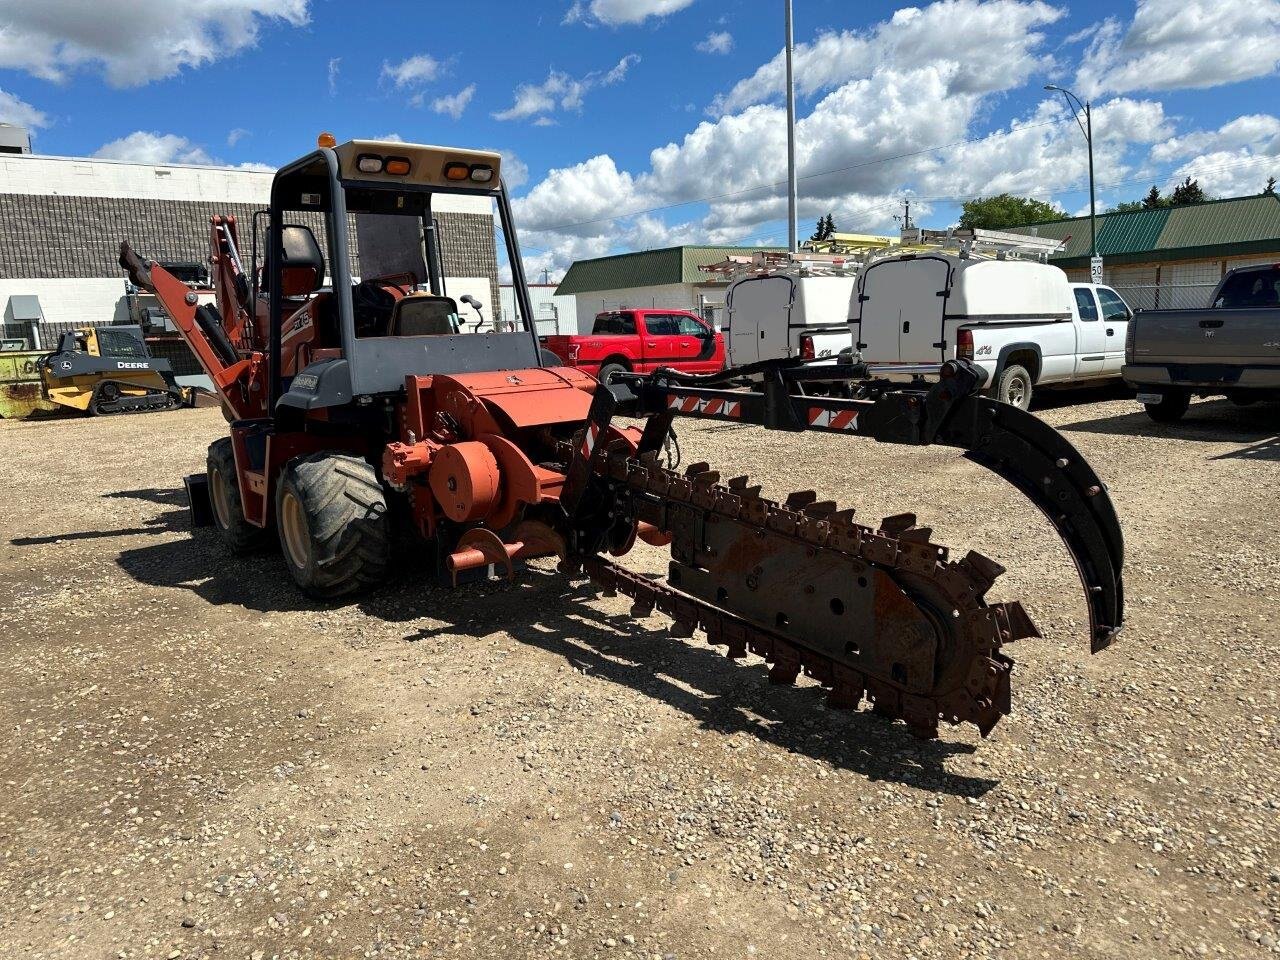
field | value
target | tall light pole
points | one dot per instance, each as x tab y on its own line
1076	105
791	139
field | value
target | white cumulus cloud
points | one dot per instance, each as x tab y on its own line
453	105
133	44
150	146
618	12
17	111
718	41
560	91
143	146
990	46
412	71
1175	44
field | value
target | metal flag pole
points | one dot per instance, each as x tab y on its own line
791	139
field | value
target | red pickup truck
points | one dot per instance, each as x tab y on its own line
641	341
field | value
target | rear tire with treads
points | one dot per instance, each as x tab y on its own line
239	534
1172	407
331	514
1014	386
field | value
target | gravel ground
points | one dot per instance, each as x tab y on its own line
202	763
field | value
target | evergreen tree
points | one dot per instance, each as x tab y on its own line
1153	200
828	227
1270	188
1188	191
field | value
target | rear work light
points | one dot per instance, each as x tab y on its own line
964	344
369	163
481	172
807	351
456	171
397	166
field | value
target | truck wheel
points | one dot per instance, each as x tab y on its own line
224	496
1171	407
608	370
1014	387
331	513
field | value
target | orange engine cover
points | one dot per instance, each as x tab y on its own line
465	480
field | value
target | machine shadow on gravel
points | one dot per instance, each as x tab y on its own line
548	611
168	522
1214	421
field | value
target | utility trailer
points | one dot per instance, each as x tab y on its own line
364	409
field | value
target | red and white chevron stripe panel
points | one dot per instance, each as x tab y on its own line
713	408
833	419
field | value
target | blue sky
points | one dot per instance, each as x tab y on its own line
638	123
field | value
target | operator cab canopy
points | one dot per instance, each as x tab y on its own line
304	184
405	245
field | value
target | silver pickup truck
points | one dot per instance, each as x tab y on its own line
1230	348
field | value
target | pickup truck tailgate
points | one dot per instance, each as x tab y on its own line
1240	336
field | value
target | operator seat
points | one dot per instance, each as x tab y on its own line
423	315
302	265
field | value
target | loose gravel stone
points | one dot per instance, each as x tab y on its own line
201	762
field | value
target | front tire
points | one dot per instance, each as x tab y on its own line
1014	386
331	514
239	534
1171	407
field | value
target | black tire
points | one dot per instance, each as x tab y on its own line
331	514
239	534
608	370
1173	404
1014	386
549	359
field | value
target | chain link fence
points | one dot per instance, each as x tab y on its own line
1166	296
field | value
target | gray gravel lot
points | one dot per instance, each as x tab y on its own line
202	763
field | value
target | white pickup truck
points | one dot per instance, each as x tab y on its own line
1021	321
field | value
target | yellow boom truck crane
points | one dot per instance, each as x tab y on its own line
360	406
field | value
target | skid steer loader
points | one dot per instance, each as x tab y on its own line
362	405
108	370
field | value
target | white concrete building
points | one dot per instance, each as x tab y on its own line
553	314
668	277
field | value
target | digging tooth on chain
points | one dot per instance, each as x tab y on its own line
801	498
823	508
897	523
982	694
916	535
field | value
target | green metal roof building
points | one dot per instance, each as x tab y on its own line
1171	256
667	277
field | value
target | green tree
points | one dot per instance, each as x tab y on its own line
1153	200
1188	191
1270	188
1006	210
824	228
1129	206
